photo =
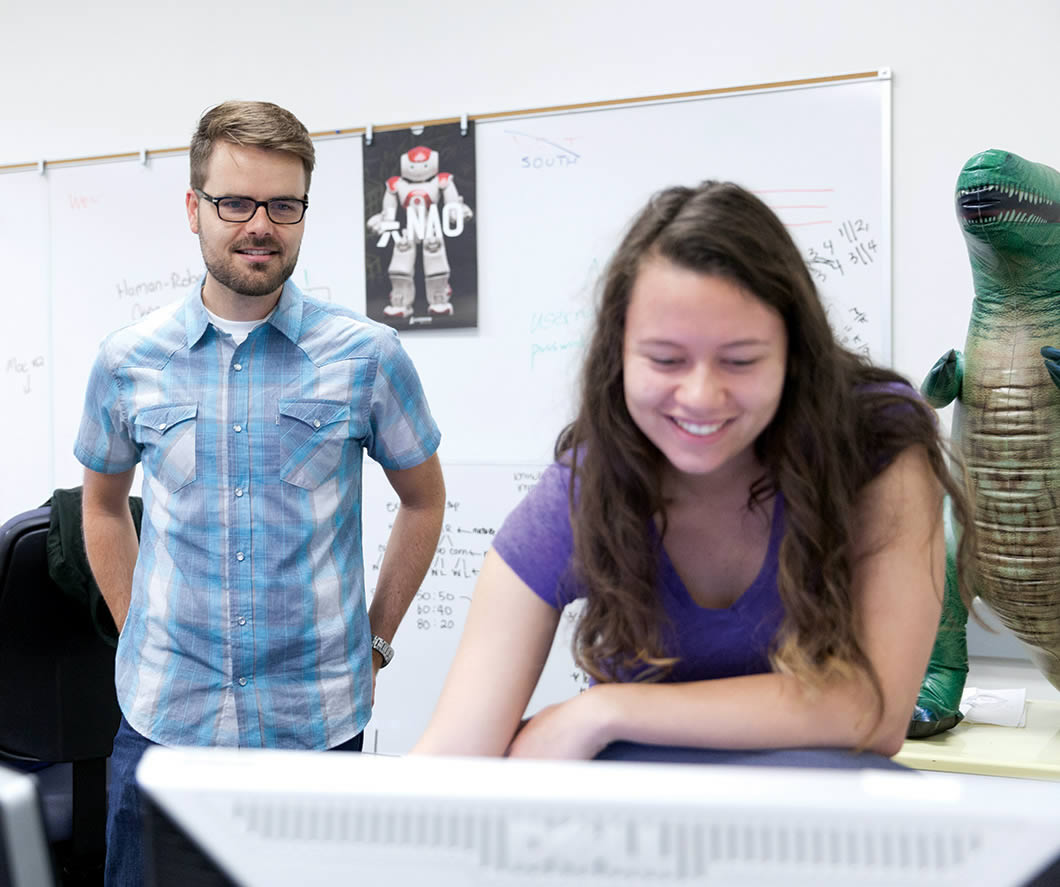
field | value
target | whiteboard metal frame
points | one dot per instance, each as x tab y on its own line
144	154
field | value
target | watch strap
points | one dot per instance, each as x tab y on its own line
385	650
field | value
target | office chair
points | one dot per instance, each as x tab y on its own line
56	687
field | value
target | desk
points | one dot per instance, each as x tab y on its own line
1031	752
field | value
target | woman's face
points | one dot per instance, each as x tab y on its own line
704	363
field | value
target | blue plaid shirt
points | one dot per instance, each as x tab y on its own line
247	624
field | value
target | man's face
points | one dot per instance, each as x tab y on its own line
252	258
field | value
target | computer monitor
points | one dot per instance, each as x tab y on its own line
25	858
260	818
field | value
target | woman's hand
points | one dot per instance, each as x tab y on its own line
577	729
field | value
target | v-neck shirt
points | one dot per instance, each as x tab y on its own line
537	542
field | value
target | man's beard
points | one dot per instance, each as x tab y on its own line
251	280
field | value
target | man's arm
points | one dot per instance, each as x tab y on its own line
411	546
110	537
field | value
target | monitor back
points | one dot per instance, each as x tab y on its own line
273	817
25	858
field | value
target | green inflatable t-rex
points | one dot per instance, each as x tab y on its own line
1006	421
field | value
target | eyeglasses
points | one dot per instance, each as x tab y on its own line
280	210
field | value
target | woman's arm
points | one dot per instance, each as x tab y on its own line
898	576
506	639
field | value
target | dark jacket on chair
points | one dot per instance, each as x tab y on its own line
68	563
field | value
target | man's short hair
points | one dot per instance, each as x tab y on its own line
255	124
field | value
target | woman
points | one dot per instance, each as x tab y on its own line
752	512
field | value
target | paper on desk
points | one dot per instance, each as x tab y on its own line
1006	708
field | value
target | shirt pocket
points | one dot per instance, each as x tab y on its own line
313	435
166	434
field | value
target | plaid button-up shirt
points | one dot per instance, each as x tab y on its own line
247	624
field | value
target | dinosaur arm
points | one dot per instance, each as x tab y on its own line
1052	363
942	384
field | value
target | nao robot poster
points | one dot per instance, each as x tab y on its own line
421	265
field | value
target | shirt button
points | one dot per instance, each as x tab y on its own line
242	620
237	367
239	555
162	427
242	682
316	423
239	491
237	428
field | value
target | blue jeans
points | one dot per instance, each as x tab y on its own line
125	847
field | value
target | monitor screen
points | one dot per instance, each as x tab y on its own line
272	817
25	859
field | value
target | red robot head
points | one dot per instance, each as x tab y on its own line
419	164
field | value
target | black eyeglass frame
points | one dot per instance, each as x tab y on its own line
216	201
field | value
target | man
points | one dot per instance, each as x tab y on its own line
241	610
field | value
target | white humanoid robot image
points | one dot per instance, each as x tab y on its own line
418	190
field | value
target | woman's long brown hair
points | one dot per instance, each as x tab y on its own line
839	420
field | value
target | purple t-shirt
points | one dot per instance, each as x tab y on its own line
536	541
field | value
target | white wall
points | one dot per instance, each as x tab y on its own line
83	79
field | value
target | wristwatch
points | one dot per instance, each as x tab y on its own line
385	650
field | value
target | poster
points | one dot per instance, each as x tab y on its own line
421	266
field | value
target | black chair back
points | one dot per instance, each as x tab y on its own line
57	698
56	673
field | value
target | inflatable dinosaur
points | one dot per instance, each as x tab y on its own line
1006	420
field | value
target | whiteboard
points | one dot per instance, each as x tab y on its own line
555	193
478	499
25	352
100	244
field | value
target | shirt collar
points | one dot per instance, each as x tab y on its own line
287	318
